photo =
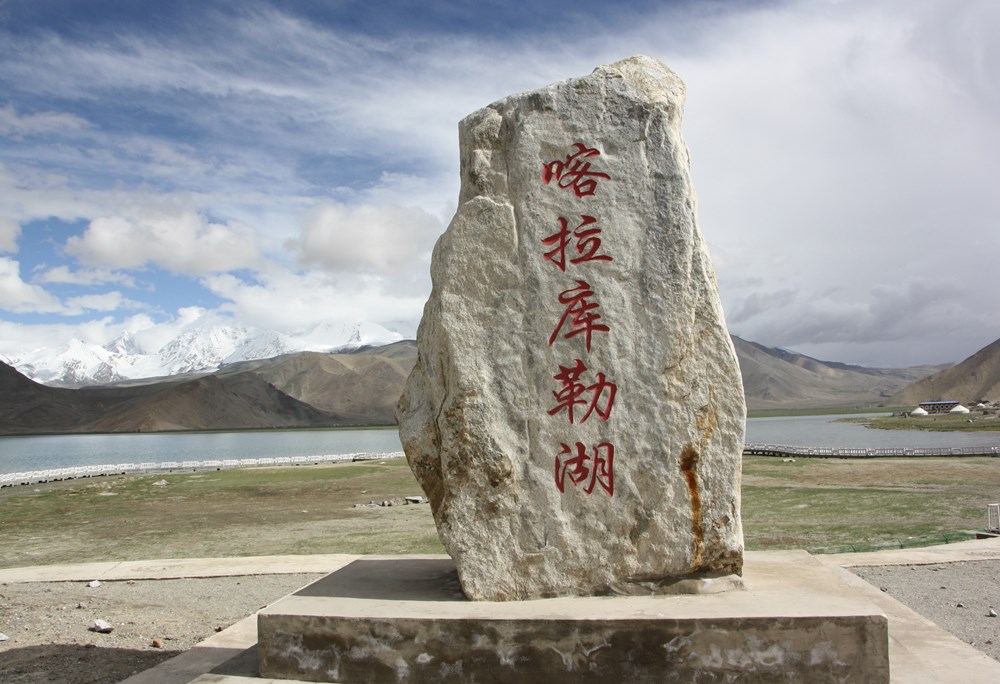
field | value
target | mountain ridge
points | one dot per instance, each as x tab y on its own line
360	387
251	396
196	348
971	380
778	378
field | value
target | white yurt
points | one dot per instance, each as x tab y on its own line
918	412
959	409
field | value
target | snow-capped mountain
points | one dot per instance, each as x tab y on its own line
196	348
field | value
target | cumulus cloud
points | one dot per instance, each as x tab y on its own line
10	230
294	302
184	243
385	240
18	296
107	301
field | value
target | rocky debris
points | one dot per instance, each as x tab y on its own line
4	637
576	413
991	612
386	503
161	483
955	596
156	643
49	645
102	627
94	584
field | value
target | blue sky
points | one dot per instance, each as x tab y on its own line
279	164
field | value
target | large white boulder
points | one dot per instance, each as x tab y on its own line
576	415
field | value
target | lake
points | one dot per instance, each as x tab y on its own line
20	454
824	431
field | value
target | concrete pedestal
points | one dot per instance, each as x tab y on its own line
404	619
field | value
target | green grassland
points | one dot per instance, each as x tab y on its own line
945	422
814	504
835	411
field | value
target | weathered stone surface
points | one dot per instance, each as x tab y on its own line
488	406
402	619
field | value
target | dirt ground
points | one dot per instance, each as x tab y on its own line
50	641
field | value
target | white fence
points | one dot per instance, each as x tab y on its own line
823	452
57	474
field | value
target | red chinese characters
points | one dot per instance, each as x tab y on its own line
579	316
580	393
598	397
593	468
574	171
587	243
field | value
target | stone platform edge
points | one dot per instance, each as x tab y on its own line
404	619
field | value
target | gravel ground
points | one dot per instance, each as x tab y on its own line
48	624
959	597
50	640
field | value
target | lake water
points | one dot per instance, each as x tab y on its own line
824	431
20	454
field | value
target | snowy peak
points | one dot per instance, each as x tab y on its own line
263	345
197	348
341	336
74	363
124	345
201	349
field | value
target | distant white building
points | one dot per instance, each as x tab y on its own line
918	412
959	409
938	406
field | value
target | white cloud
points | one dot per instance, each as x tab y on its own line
292	302
10	231
13	124
107	301
18	296
64	275
379	239
844	153
184	243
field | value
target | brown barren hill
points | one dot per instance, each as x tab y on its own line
776	378
976	378
360	386
297	390
214	403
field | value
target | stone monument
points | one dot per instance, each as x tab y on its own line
576	419
576	413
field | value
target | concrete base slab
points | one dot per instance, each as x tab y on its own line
404	619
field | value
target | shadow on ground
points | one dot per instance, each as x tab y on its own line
75	664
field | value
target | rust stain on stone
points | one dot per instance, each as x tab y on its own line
689	466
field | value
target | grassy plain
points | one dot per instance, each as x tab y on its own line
839	410
945	422
810	503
